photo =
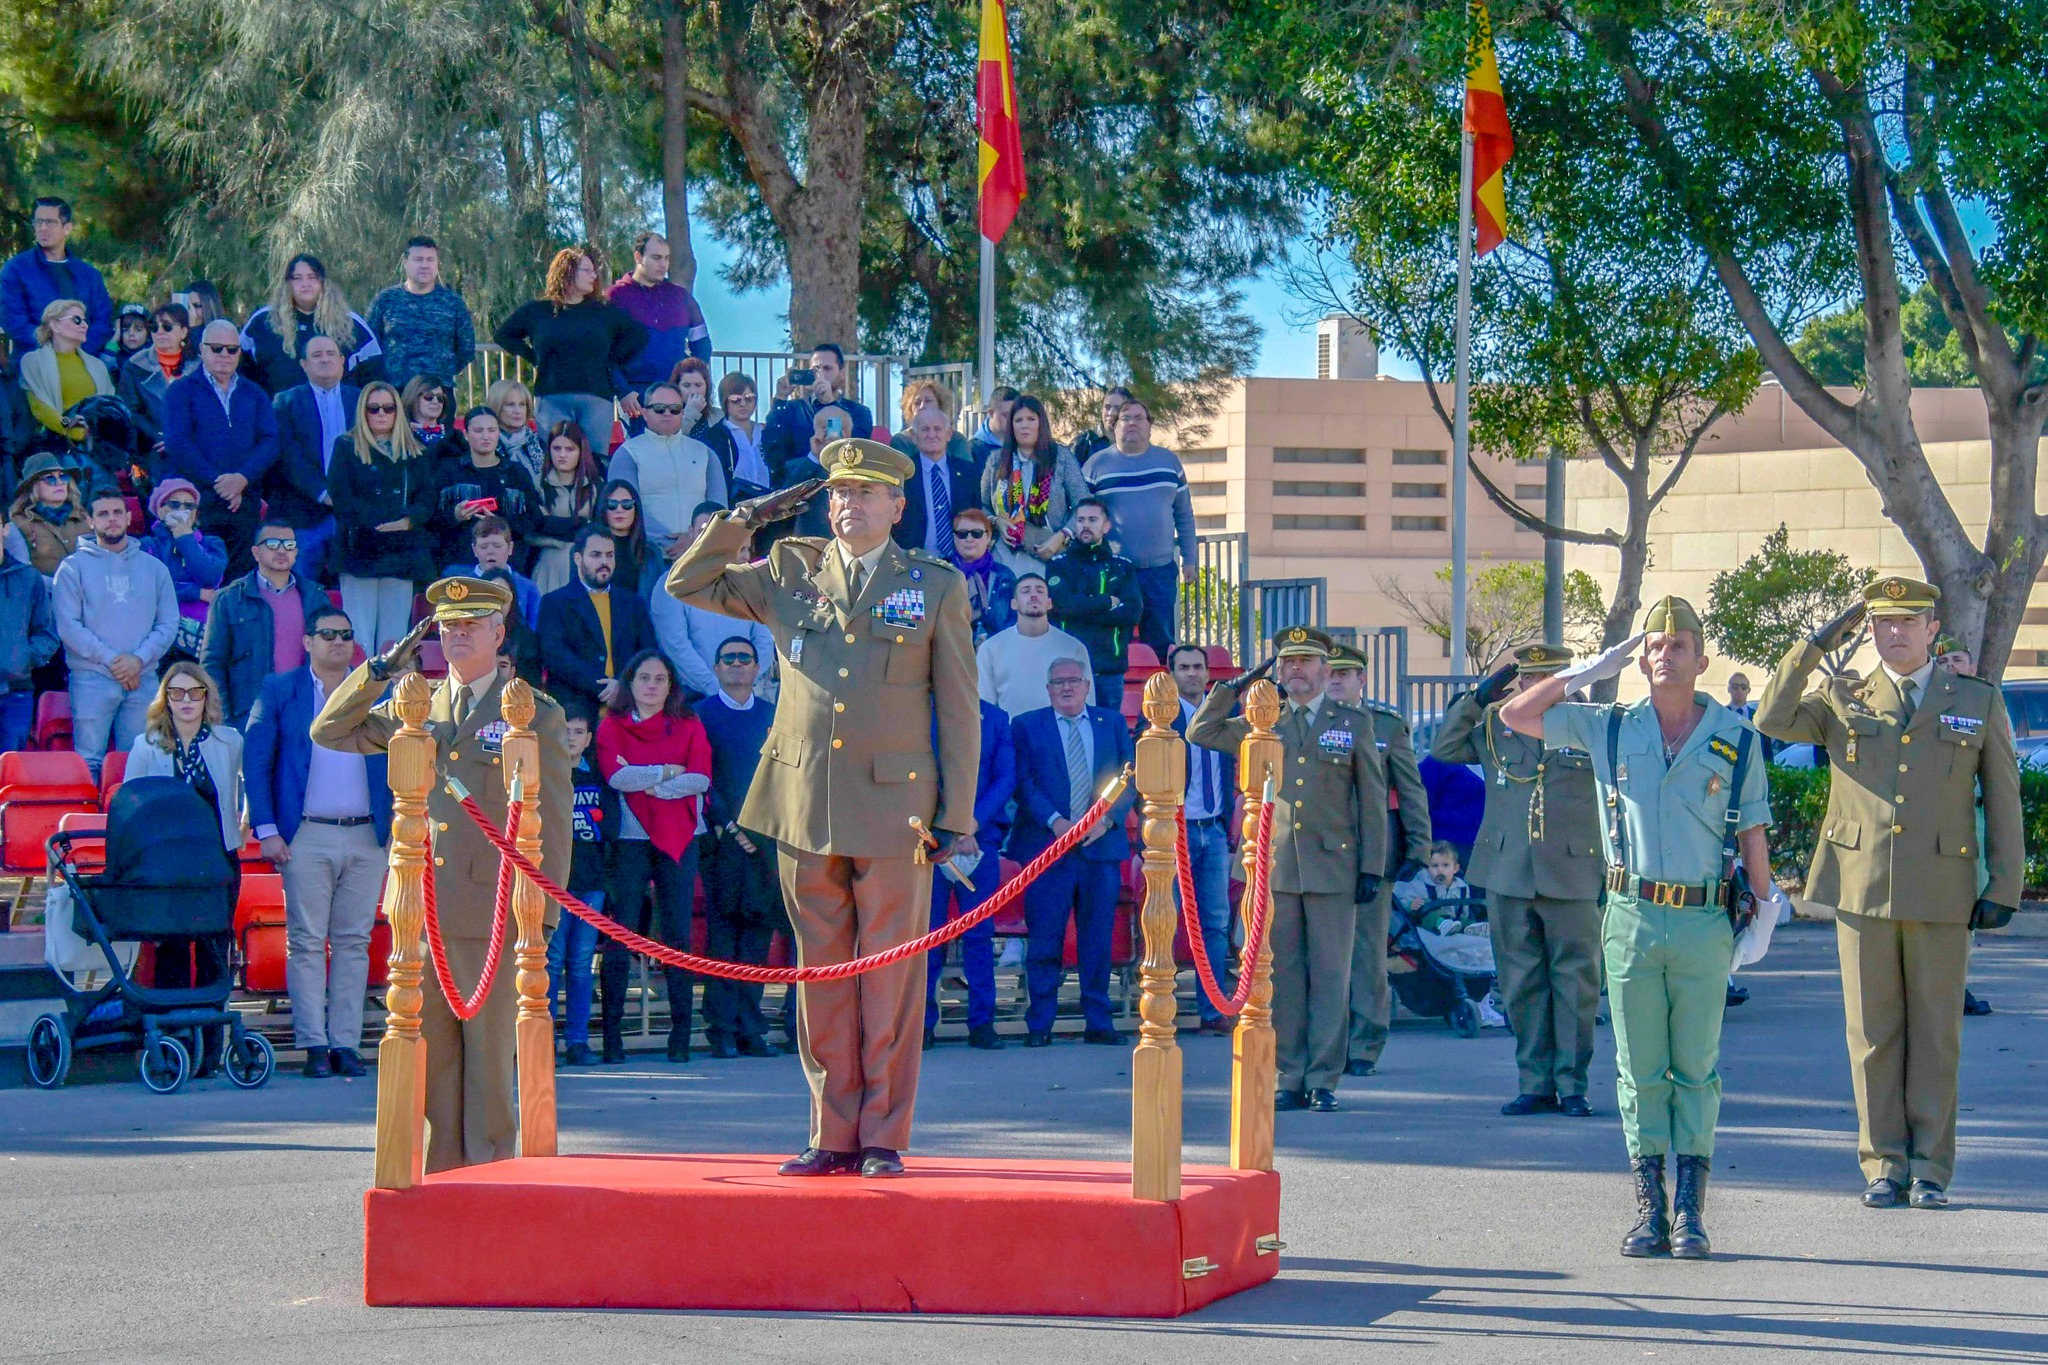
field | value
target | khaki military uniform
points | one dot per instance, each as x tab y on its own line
472	1116
850	759
1538	856
1329	829
1898	860
1371	1003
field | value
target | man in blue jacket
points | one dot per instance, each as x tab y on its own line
322	817
994	786
1065	753
221	433
311	417
46	272
256	622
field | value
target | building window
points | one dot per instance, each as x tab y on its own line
1298	522
1418	490
1211	523
1323	341
1207	490
1298	489
1529	490
1208	455
1314	455
1418	523
1418	457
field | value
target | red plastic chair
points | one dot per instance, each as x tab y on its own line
113	769
260	933
37	790
53	721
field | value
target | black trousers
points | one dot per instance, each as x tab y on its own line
636	863
745	895
236	529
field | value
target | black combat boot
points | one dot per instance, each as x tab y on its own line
1651	1235
1689	1210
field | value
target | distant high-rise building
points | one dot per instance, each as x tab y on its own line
1345	349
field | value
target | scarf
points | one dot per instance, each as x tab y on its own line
1033	502
190	764
170	366
670	825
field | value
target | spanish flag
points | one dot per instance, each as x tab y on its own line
1002	148
1486	119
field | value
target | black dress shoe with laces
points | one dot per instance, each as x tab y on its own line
1360	1068
1103	1037
1925	1194
1039	1038
1883	1193
1323	1100
317	1067
1575	1107
817	1161
1522	1106
985	1037
879	1161
345	1062
1284	1100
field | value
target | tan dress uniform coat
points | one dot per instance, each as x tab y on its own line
1371	1004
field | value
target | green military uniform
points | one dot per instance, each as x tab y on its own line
1667	965
851	758
1329	829
1538	856
471	1112
1898	860
1408	839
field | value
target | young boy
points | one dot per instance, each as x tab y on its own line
1438	882
594	815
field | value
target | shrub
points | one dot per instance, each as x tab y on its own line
1799	802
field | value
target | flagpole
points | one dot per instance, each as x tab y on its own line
985	357
1461	414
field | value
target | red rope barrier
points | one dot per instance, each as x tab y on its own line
465	1007
1255	932
742	971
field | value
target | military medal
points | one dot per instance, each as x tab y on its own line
1963	725
492	736
1335	741
1714	785
796	649
1852	749
903	607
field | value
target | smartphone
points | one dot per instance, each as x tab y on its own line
802	379
834	429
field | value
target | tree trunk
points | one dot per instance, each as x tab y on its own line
675	146
821	225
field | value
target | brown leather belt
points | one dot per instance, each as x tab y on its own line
1674	894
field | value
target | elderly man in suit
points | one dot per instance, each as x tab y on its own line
471	1117
587	631
878	721
939	487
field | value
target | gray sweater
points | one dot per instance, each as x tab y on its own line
1148	502
113	602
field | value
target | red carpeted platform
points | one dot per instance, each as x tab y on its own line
1060	1238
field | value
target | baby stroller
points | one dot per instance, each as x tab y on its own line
1439	976
165	882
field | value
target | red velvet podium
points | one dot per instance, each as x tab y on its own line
954	1235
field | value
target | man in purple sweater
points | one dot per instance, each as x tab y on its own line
675	324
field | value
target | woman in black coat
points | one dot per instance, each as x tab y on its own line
474	473
383	487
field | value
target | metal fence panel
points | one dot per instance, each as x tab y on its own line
1274	604
1210	606
1428	694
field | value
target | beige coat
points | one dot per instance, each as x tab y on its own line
1566	863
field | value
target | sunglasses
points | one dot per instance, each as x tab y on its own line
164	325
185	693
735	659
277	543
330	634
665	409
75	319
436	399
619	505
180	505
54	478
380	407
224	347
969	533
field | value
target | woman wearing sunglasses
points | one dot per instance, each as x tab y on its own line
427	410
990	584
618	507
61	373
197	562
47	519
383	493
143	381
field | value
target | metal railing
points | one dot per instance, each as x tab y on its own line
1270	605
1210	606
1386	664
1426	695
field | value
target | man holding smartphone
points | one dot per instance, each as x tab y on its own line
799	397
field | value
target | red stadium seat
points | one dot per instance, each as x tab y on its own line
37	790
53	721
260	933
380	953
88	855
113	768
1141	662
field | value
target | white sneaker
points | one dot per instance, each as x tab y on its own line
1489	1017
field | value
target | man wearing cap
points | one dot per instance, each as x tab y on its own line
1329	851
877	660
1408	840
471	1116
1538	856
1682	779
1914	750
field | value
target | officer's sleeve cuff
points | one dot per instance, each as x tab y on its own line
265	831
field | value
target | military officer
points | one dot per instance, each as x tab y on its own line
1408	840
1538	856
1914	750
877	663
471	1114
1329	845
1682	780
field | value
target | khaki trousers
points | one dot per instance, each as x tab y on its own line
1312	946
1548	953
862	1039
471	1067
1667	977
1902	990
1371	1004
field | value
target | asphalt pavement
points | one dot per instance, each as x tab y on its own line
222	1226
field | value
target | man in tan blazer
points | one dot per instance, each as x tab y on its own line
472	1116
1914	750
877	663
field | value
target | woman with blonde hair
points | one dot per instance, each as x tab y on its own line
576	341
61	373
47	518
304	305
920	394
184	738
383	494
519	440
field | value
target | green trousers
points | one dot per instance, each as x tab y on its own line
1667	983
1371	1004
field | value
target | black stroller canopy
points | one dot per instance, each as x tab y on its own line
162	833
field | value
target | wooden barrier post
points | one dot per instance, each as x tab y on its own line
1253	1076
402	1055
1156	1064
536	1027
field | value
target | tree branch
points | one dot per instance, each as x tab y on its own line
1529	519
1692	445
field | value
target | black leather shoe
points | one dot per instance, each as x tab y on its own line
576	1054
816	1161
1928	1195
722	1050
1975	1004
879	1161
317	1067
1360	1068
614	1053
1322	1100
1689	1211
1883	1193
758	1047
1284	1100
931	1039
985	1037
1651	1235
679	1051
346	1063
1103	1037
1521	1106
1575	1107
1040	1038
1736	996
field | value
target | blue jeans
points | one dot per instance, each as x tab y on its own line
1159	625
101	708
570	951
1209	861
591	411
17	716
1087	891
977	946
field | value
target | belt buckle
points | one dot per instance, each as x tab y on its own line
1668	894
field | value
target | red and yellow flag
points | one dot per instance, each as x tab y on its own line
1002	147
1486	119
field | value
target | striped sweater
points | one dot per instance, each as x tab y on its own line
1148	502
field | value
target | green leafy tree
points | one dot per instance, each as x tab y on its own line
1831	346
1503	607
1777	597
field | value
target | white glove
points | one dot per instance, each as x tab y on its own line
1608	663
1755	940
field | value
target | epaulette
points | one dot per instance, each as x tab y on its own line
923	556
1384	709
1960	678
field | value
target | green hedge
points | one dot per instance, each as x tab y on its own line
1799	801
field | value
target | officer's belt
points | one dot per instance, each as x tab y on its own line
1676	894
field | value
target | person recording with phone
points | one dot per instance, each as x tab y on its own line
799	397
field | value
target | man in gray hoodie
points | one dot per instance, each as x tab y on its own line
117	612
28	640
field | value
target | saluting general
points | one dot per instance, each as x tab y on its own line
879	720
1901	859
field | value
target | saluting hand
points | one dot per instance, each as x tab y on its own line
1489	691
1608	663
400	657
772	507
1838	632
